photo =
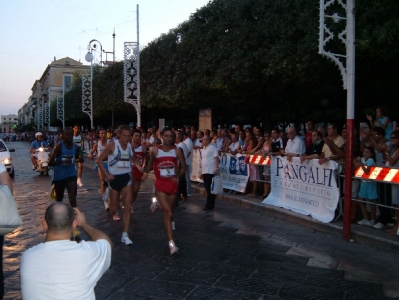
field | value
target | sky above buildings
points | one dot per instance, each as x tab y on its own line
34	32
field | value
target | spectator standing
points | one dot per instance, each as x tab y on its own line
381	120
368	189
376	139
233	145
241	138
182	191
189	162
198	142
308	135
265	151
392	158
251	143
276	142
209	167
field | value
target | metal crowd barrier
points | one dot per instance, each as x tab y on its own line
383	188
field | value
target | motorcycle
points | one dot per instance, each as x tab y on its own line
42	160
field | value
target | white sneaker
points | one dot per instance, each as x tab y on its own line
188	195
371	223
173	249
364	222
105	196
125	239
79	182
173	225
154	206
379	225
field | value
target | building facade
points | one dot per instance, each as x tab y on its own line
55	81
8	122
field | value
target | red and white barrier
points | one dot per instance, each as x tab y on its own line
260	160
379	173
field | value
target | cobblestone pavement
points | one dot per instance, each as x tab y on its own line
229	253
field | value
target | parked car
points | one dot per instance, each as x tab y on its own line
6	158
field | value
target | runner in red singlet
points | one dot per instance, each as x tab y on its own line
164	160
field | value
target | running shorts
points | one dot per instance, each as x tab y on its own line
166	186
120	181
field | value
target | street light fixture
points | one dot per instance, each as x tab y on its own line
87	84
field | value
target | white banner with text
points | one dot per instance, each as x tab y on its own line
307	188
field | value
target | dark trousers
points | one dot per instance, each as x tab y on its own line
385	197
210	198
1	266
182	186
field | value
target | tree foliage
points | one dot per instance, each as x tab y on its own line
253	61
260	58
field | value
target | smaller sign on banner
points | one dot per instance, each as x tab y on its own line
234	172
232	168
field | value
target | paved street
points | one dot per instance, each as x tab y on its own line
229	253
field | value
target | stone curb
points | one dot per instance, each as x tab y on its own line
357	236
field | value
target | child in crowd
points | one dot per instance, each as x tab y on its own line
368	189
381	120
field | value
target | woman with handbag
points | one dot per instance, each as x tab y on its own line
4	179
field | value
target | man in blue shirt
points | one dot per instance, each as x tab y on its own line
36	144
63	159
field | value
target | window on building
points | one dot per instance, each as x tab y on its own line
67	83
67	62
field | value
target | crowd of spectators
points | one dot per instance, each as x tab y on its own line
317	142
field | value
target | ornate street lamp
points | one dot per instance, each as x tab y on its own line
332	12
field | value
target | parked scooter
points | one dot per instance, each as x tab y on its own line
42	160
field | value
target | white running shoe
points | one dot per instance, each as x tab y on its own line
80	182
364	222
173	225
371	223
105	196
154	206
379	225
173	249
125	239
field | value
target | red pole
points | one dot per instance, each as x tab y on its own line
350	115
348	179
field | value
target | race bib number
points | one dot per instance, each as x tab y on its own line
123	164
167	171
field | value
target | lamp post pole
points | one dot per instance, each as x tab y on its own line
87	85
346	64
